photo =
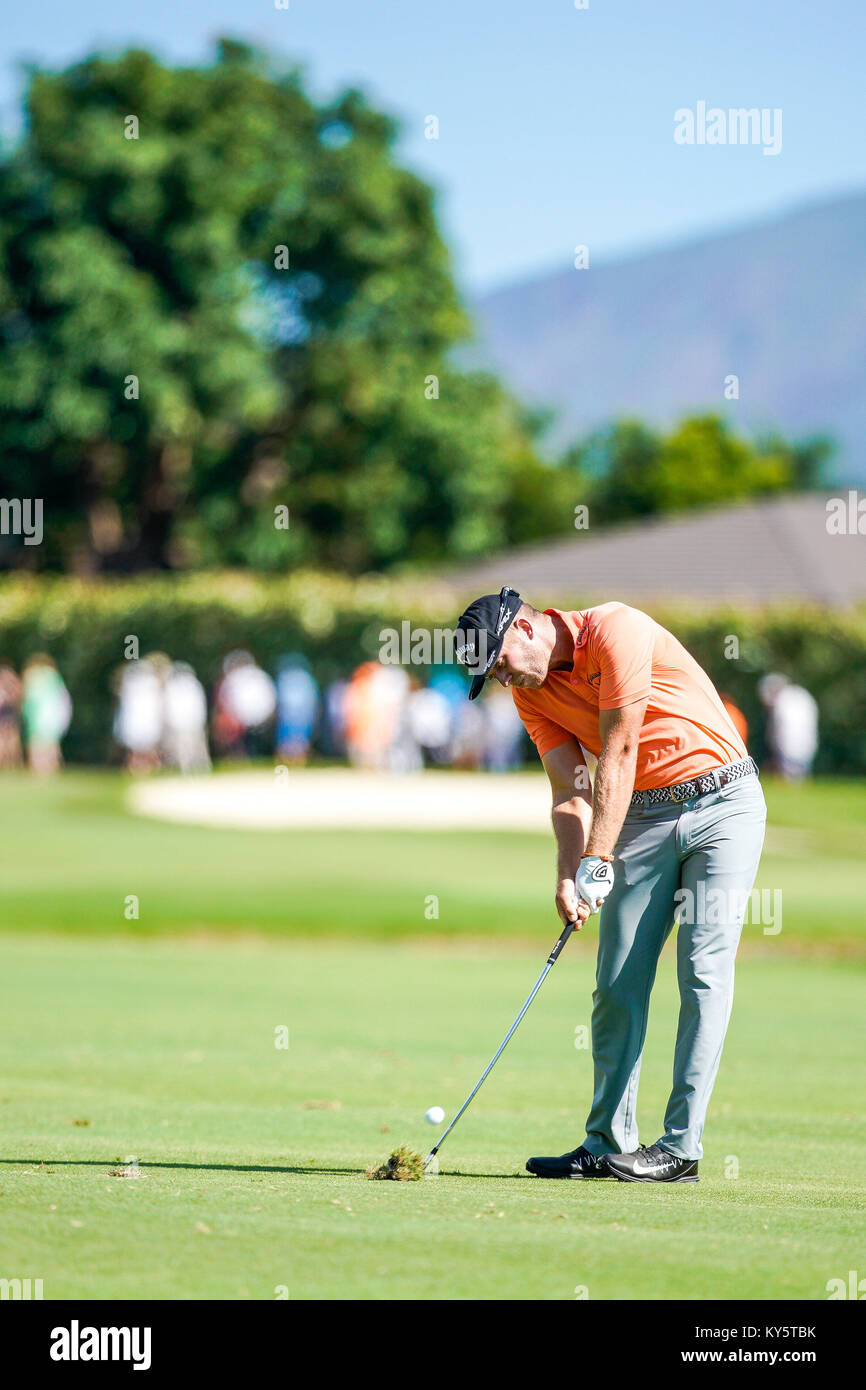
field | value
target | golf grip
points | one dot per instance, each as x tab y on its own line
566	933
551	960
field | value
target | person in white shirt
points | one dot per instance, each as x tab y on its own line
792	727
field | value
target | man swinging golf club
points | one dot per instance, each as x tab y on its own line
674	826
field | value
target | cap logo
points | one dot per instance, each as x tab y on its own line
472	652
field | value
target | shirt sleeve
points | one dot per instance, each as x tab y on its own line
545	733
621	644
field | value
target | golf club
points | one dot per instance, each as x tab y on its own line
551	960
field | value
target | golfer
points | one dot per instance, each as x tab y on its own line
672	829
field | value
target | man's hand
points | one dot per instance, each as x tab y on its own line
594	881
570	907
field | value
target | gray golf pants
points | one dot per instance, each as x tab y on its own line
706	852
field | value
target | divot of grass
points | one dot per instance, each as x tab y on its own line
403	1165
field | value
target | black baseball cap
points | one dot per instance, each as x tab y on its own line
481	631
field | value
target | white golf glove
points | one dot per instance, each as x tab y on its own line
594	880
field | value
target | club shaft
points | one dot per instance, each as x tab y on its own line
502	1046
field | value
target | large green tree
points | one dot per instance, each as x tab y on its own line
218	298
635	471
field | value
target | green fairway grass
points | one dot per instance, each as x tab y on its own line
156	1142
71	856
251	1157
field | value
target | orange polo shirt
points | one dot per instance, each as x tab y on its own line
621	655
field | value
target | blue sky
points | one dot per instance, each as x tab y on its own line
555	124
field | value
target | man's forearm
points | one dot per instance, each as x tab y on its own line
571	822
613	786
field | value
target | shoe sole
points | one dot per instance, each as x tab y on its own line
623	1177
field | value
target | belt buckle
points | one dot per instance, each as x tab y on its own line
673	791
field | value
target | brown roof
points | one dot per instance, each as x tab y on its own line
768	551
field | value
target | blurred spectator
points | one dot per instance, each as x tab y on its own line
364	729
403	753
792	726
46	710
467	749
376	732
184	722
138	722
333	735
736	716
503	731
430	723
10	708
453	686
297	708
244	703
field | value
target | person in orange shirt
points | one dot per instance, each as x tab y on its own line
671	831
736	716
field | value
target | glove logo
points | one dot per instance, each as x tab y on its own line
595	879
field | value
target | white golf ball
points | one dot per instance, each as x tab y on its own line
435	1115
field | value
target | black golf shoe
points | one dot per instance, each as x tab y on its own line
652	1164
580	1163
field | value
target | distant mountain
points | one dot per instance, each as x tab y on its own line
782	305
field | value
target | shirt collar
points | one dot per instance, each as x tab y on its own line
576	622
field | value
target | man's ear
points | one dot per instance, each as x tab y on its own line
525	626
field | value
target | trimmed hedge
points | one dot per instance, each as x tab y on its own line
336	622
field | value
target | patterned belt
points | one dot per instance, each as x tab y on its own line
697	786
